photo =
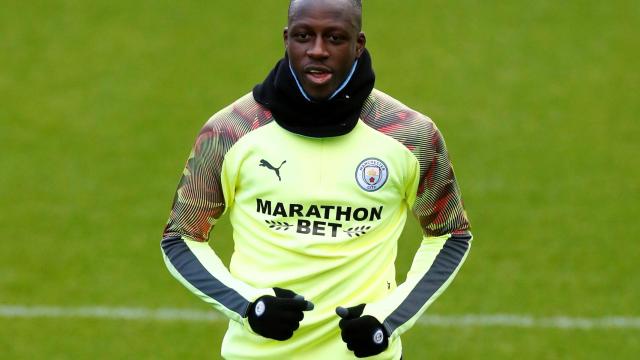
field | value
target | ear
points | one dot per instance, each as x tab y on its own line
360	44
285	36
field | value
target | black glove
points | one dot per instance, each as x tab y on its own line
277	317
365	336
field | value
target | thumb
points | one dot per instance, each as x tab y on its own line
350	313
342	312
308	304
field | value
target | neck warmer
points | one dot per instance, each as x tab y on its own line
323	118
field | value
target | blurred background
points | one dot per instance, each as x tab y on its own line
100	102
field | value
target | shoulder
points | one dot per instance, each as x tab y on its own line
238	119
395	119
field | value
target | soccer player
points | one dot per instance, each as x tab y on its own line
317	171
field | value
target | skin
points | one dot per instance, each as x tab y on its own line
323	40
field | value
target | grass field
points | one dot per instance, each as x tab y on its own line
100	102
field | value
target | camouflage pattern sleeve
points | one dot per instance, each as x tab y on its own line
199	199
438	204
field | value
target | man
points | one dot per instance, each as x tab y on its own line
317	171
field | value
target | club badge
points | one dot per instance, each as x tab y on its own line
371	174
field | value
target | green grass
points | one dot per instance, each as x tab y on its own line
538	102
107	339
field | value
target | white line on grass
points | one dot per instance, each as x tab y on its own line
171	314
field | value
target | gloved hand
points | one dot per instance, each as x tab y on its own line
364	335
277	317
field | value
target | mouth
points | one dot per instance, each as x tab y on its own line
318	75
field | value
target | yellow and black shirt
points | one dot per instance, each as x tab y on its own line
320	216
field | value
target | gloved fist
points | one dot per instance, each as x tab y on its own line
277	317
365	336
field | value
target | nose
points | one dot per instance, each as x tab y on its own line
318	49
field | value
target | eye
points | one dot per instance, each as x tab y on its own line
301	36
336	38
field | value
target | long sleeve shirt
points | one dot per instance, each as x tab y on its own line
319	216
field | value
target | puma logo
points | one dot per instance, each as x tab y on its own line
266	164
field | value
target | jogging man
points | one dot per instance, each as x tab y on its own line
317	171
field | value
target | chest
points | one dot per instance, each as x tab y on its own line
362	169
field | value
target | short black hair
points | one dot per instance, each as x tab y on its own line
357	4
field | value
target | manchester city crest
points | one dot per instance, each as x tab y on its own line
371	174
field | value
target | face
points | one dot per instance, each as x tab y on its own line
323	41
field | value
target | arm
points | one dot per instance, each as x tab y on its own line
446	241
436	202
198	203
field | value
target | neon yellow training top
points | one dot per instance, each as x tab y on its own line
319	216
